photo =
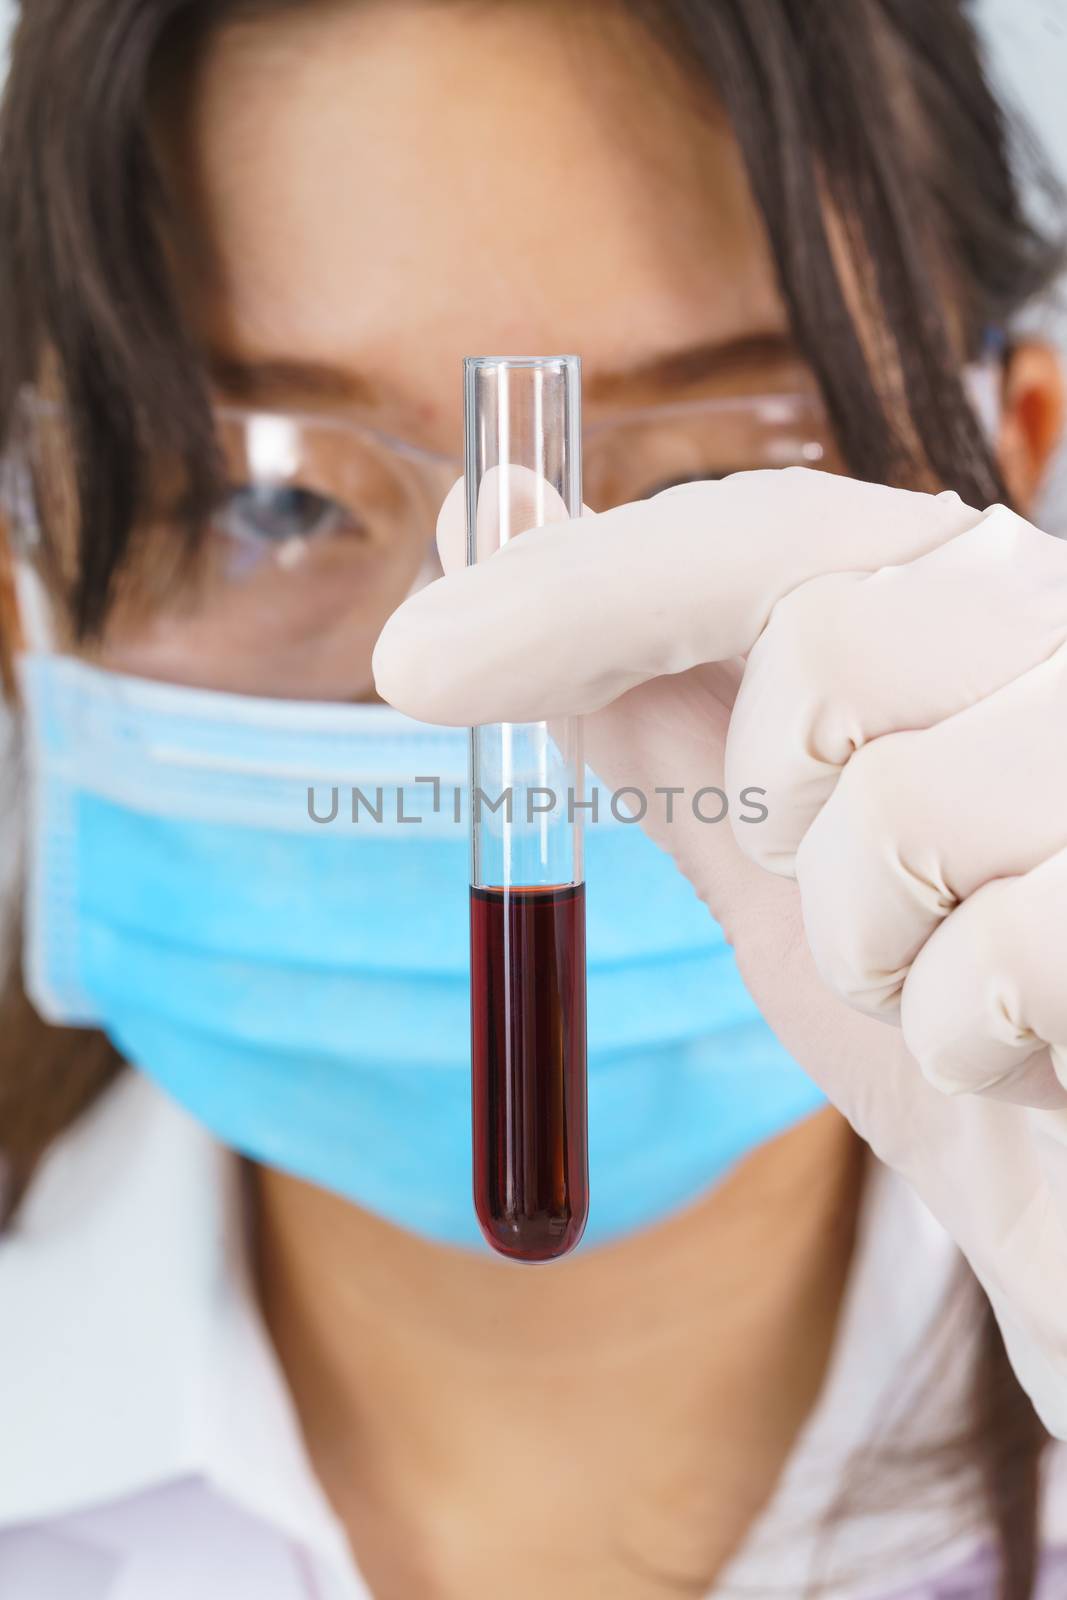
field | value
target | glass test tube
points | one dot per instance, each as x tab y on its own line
528	1022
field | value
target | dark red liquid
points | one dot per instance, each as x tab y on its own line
531	1161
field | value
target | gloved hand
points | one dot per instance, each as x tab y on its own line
892	668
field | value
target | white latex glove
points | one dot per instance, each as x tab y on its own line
902	671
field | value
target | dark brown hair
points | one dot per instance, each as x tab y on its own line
872	142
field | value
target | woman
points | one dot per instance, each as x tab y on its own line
249	244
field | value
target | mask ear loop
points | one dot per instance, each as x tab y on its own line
26	608
28	615
36	632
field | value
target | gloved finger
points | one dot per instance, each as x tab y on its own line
920	820
986	993
570	616
511	499
850	657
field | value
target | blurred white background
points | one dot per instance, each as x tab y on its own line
1028	44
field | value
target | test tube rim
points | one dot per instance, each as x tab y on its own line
477	363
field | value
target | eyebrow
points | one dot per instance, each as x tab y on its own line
278	379
729	357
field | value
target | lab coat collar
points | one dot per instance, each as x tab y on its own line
131	1351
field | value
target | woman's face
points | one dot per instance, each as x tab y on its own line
386	187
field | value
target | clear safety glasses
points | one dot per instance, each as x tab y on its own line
325	526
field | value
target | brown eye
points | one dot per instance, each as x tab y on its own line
274	514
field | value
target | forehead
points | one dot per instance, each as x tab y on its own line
389	186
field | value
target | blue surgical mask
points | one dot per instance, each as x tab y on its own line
301	986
